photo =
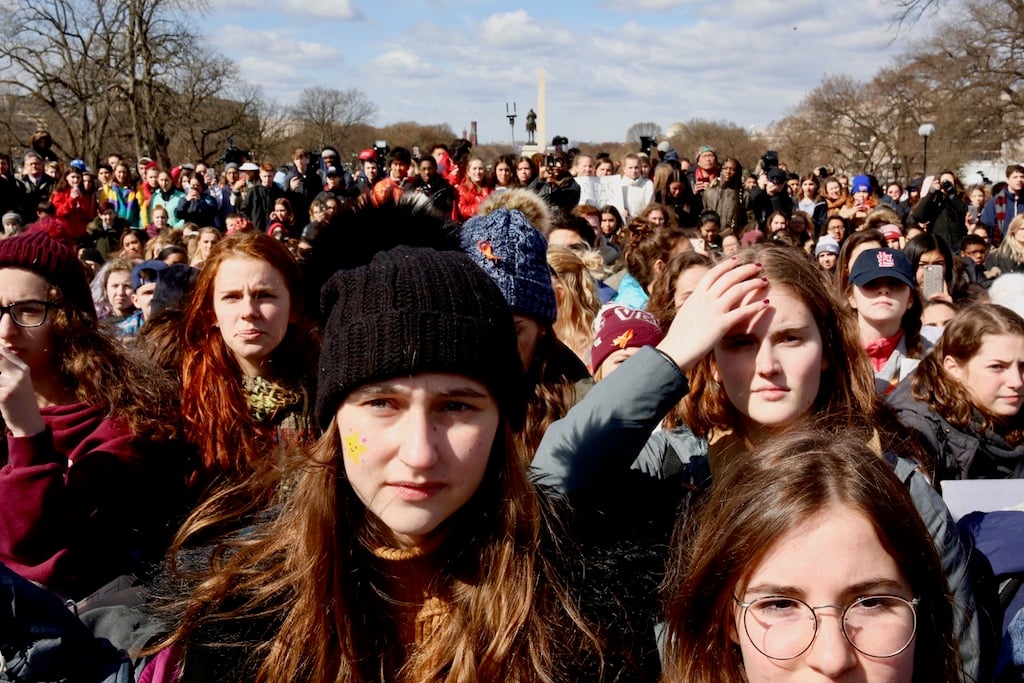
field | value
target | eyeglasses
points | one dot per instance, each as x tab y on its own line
27	313
784	628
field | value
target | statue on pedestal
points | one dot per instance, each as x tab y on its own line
531	126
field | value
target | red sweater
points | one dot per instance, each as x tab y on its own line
81	500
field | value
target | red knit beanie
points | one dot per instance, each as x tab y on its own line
35	250
620	327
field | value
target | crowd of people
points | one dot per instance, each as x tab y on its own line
540	418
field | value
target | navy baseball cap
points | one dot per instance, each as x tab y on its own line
147	272
878	263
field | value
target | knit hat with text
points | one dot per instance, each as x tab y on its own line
413	310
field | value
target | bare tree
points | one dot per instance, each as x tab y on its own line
647	129
728	139
330	114
266	126
117	74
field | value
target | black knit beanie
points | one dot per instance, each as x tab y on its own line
413	310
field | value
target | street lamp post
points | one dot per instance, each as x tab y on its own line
925	131
511	115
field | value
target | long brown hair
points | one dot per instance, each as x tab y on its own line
846	394
311	573
213	405
961	340
755	502
102	372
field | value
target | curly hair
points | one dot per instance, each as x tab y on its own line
961	340
102	372
98	286
645	244
213	404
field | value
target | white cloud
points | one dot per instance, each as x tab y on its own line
644	5
518	30
744	61
403	64
341	10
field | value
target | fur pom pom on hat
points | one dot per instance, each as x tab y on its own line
41	250
514	255
413	310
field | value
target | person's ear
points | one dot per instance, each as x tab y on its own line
950	365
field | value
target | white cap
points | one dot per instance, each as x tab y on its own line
663	146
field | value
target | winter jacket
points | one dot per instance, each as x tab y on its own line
468	198
201	211
83	501
126	204
597	444
438	192
1011	206
898	367
631	293
75	212
564	195
956	453
763	205
945	215
34	192
609	578
728	203
258	203
996	259
170	201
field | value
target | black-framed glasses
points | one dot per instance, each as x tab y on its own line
27	313
782	628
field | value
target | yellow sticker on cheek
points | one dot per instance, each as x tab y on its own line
353	447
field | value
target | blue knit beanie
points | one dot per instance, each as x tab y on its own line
514	254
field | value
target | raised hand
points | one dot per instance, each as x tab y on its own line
18	397
727	294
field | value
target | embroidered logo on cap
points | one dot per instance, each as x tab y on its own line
623	339
886	260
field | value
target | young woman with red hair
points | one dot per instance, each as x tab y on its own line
248	357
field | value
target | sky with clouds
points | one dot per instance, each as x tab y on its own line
608	64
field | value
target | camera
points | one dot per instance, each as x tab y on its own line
554	159
382	149
769	160
948	187
233	155
646	142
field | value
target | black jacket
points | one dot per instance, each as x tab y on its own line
945	216
957	453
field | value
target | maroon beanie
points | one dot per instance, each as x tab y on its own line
620	327
35	250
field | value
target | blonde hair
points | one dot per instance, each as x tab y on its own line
576	295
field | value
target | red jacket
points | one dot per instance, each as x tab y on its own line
75	212
467	200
